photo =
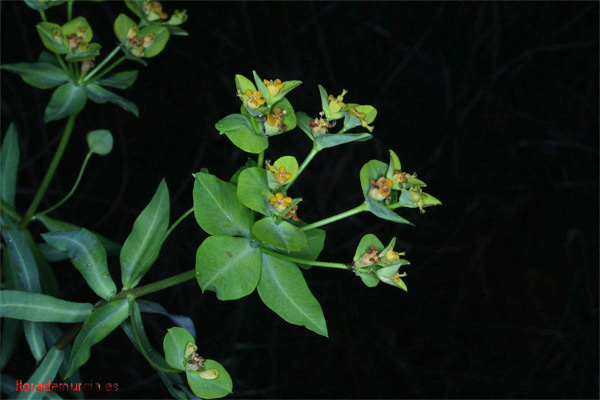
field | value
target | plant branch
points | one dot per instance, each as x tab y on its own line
50	172
337	217
188	212
102	64
81	171
156	286
307	160
6	208
304	261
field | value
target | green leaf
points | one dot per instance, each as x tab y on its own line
48	58
140	339
41	308
283	289
46	31
88	256
120	80
74	25
135	6
161	37
9	164
368	240
52	254
210	389
393	166
55	225
98	94
77	54
48	281
100	141
40	5
373	170
121	27
34	334
217	209
44	373
96	327
243	84
335	139
143	244
302	120
291	166
282	235
40	75
240	131
52	334
324	101
385	274
174	344
20	253
315	239
252	189
289	119
146	306
66	100
228	266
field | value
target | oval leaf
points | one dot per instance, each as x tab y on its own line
174	345
252	188
100	141
283	289
213	388
143	244
240	131
282	235
120	80
41	308
96	327
228	266
66	100
217	209
88	256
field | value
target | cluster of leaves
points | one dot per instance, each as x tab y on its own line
257	239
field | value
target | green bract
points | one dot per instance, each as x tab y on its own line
135	42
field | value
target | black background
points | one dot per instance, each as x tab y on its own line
494	105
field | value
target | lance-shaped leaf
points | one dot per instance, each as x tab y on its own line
240	131
156	308
40	75
217	208
66	100
88	256
143	244
100	95
282	235
34	334
44	373
11	333
283	289
335	139
55	225
120	80
52	334
48	280
95	328
252	189
41	308
229	266
27	272
9	163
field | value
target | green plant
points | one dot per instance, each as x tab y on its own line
256	237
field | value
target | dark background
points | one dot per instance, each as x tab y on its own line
493	104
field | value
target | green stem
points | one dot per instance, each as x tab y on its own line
6	208
188	212
102	64
261	159
43	15
70	10
63	65
156	286
50	172
107	70
307	160
345	214
81	171
303	261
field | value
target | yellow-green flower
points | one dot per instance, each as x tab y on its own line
273	86
279	202
274	123
320	126
253	100
352	111
280	174
335	103
153	10
390	256
415	192
381	189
